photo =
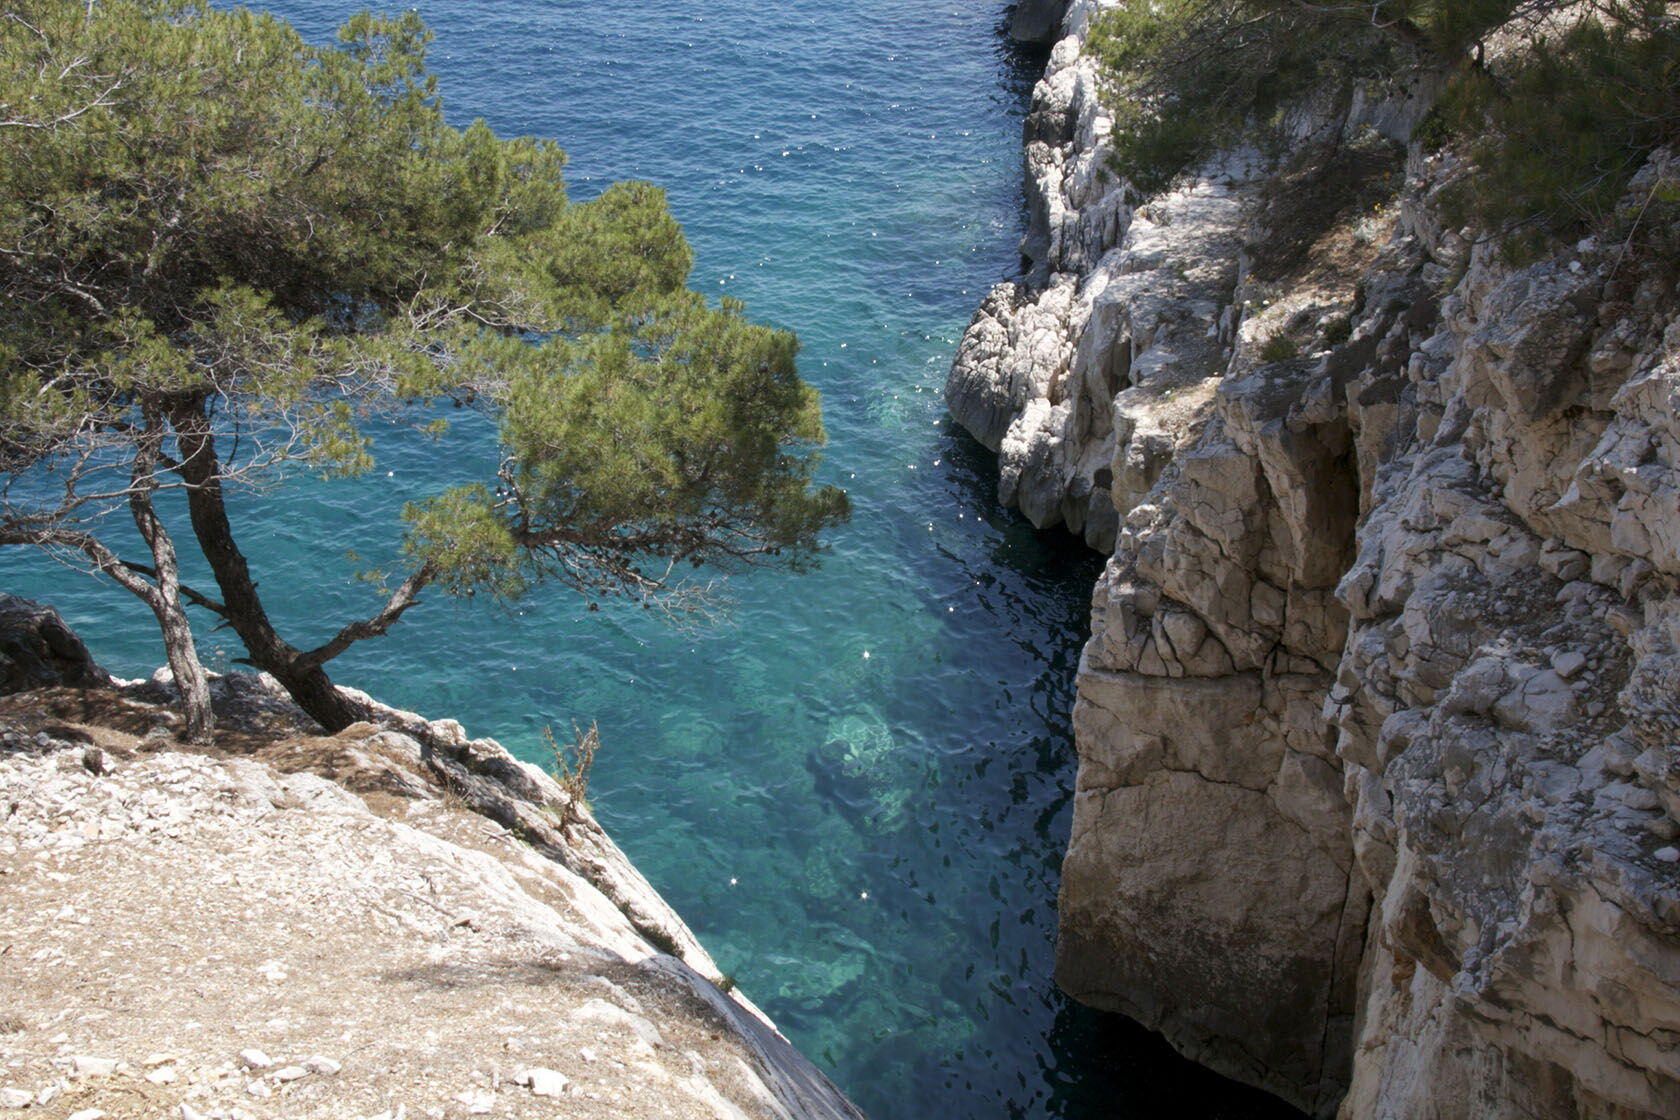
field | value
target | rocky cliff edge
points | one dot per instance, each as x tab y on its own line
1379	723
394	921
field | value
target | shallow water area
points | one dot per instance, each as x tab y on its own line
857	785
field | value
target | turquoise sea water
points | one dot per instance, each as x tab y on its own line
856	787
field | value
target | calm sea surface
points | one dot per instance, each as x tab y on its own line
856	787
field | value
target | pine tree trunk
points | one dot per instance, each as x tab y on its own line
316	694
165	597
308	685
190	678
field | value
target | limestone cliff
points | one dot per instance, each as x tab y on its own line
394	920
1378	724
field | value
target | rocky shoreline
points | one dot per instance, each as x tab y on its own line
397	920
1378	730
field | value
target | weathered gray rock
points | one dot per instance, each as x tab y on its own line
1527	944
37	650
270	910
1089	370
1379	721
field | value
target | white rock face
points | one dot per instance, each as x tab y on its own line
449	888
1379	722
1509	730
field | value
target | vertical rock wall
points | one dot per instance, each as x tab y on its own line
1378	725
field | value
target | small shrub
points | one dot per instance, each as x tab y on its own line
1338	330
573	761
1279	348
1186	77
1554	141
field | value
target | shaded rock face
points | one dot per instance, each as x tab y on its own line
37	650
1379	722
1038	21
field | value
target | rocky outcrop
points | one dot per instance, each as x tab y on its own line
1508	704
37	650
246	921
1015	384
1379	722
1037	21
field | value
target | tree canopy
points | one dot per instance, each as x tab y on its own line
224	252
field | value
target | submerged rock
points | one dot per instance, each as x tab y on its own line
1038	21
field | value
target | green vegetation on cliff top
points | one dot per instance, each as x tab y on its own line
1557	103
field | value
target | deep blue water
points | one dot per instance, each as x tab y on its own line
856	787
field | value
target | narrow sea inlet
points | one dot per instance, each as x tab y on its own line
856	784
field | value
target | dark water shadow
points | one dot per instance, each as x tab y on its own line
1098	1064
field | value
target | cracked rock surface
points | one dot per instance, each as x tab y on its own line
1379	721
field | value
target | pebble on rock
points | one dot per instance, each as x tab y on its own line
289	1073
93	1067
543	1082
1669	854
1569	662
16	1098
324	1066
255	1059
477	1103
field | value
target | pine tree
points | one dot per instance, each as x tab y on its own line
225	252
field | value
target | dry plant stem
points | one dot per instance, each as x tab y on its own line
572	762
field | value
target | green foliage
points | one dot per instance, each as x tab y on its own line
460	536
1279	348
1555	140
210	224
685	422
1188	76
1553	136
1338	330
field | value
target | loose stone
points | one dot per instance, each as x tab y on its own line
93	1067
544	1082
255	1059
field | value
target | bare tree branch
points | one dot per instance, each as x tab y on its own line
404	597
